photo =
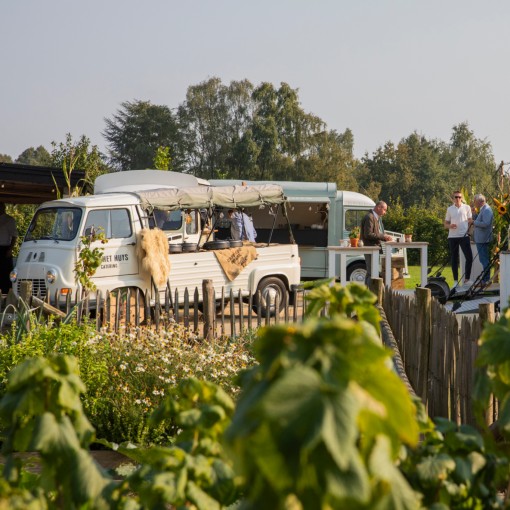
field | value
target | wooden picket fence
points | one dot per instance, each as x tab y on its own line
438	349
230	315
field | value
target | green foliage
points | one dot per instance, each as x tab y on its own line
31	156
43	413
324	411
89	259
194	470
451	468
355	233
492	376
428	226
137	130
127	374
69	155
162	159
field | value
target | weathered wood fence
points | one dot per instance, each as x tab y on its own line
438	349
230	315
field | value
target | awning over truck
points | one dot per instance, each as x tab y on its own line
204	197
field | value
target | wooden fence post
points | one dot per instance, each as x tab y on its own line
487	313
25	291
209	307
377	287
423	338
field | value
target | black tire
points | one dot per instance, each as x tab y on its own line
270	287
356	272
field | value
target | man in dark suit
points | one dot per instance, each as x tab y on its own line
372	232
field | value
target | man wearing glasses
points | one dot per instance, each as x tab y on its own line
457	223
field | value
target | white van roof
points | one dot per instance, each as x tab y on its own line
137	180
354	199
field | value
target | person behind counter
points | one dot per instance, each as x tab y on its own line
372	232
241	226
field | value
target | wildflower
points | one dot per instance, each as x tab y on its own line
501	209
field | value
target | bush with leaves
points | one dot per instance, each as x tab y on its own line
321	419
127	374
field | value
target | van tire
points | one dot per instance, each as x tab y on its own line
269	287
356	272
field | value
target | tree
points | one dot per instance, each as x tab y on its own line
137	130
38	157
419	171
5	158
329	159
470	162
69	155
214	120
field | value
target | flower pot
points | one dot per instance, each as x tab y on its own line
354	242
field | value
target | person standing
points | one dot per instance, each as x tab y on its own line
483	235
372	232
8	237
457	223
241	226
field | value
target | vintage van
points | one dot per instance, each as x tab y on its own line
128	204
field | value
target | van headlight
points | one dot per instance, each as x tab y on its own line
51	276
13	275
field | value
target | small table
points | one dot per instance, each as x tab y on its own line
420	245
343	253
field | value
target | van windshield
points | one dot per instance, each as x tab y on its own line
57	223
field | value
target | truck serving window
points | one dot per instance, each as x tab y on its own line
57	223
115	223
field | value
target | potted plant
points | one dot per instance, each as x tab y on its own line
408	234
354	236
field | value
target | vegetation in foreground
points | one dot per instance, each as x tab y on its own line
321	421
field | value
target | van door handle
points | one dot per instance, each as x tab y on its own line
132	244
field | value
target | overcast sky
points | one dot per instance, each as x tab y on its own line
383	68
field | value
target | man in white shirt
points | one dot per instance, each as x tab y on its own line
457	223
8	236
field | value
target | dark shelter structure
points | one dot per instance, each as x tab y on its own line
28	184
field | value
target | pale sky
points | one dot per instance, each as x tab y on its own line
383	68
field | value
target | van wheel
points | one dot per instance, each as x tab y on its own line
269	289
356	272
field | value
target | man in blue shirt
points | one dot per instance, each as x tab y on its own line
483	235
241	226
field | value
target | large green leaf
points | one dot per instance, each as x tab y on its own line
54	437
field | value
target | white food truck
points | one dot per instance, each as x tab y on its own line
126	207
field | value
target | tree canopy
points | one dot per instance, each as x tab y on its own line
239	130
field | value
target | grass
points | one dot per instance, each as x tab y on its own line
414	280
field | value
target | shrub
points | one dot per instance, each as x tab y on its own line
126	374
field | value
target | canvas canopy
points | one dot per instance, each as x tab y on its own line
205	197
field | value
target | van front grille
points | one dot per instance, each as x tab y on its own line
38	287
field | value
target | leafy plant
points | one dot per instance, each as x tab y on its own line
322	417
89	259
193	472
43	413
354	233
452	468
